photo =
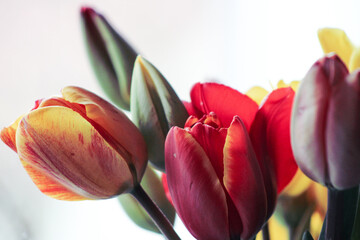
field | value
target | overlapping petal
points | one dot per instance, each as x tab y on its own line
61	144
191	174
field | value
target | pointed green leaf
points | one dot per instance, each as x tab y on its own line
111	57
307	236
152	184
155	108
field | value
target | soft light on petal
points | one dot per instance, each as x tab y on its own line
193	184
336	40
8	134
60	142
243	179
49	186
113	125
226	102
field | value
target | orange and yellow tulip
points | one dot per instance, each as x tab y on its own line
78	146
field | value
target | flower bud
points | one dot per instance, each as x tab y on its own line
155	108
78	146
111	57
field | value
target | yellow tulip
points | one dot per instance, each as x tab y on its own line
336	40
78	146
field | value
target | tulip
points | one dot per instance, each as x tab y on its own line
224	181
78	146
325	133
155	108
111	57
335	40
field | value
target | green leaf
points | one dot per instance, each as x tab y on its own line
111	57
307	236
155	108
152	184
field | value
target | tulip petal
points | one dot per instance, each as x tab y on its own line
257	94
155	108
111	57
113	125
309	114
212	141
8	134
61	143
192	111
343	133
336	40
193	184
243	179
224	101
354	60
275	114
50	187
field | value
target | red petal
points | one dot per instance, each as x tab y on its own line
166	188
271	135
243	179
192	111
196	191
212	141
224	101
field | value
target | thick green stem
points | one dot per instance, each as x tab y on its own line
155	213
341	213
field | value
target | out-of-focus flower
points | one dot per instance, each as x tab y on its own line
155	108
216	165
78	146
152	185
325	130
111	57
335	40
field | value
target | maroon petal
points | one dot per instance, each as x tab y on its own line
195	189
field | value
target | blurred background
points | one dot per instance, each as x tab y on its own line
239	43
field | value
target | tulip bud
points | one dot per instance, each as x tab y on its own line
111	57
215	180
78	146
153	186
155	108
325	130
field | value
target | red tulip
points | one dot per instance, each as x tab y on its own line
222	181
325	130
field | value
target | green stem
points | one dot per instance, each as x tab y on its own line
155	213
265	232
341	213
356	228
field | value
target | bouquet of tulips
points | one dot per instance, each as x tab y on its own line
264	165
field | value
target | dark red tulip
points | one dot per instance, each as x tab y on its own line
224	181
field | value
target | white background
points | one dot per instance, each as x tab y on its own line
240	43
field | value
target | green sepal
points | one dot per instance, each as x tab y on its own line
111	57
307	236
155	108
152	185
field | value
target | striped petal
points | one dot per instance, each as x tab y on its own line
243	179
224	101
61	144
195	189
336	40
343	133
113	125
49	186
8	134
